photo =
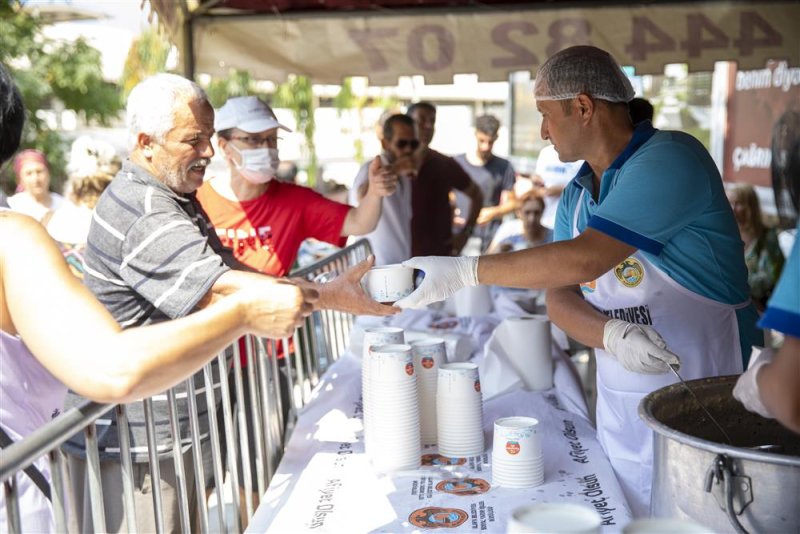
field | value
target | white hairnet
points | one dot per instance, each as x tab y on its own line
582	69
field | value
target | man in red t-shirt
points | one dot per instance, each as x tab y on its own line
264	220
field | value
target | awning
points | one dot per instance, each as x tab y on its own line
333	39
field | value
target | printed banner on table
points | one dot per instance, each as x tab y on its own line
325	482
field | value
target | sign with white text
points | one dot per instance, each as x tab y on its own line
756	99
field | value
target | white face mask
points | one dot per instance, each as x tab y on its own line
259	165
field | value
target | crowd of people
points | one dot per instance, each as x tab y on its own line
167	265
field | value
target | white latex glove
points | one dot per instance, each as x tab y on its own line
746	388
639	349
444	276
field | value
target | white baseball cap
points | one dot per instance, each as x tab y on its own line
247	113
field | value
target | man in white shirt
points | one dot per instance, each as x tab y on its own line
552	175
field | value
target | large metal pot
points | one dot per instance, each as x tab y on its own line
738	488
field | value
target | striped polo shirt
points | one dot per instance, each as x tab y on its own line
151	255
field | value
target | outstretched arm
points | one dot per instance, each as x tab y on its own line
78	341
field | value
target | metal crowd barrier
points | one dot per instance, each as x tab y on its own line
306	356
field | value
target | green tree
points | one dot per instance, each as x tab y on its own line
52	75
297	94
346	99
237	83
146	56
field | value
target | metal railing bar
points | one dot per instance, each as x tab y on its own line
57	472
177	458
12	504
272	439
197	456
216	456
95	484
259	420
155	467
315	268
126	464
230	435
21	454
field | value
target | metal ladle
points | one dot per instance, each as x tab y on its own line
674	369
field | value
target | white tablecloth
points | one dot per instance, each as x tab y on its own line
325	483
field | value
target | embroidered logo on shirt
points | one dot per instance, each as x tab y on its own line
55	413
630	272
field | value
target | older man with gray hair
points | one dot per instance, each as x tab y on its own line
646	246
151	256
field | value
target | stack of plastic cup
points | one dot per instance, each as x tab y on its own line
459	410
392	429
517	460
386	335
429	354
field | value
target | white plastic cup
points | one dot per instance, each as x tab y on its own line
429	354
546	518
382	335
390	363
458	380
459	411
517	438
378	337
389	283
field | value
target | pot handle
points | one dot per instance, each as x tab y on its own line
721	472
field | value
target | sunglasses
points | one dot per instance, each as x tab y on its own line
403	143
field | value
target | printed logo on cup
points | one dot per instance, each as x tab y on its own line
512	447
463	486
478	386
409	369
435	517
438	459
427	362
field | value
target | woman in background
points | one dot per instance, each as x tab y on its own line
92	165
33	195
527	231
762	253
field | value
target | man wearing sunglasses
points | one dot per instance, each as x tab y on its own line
437	177
391	239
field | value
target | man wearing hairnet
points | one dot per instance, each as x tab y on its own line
647	264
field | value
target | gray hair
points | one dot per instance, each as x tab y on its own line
152	103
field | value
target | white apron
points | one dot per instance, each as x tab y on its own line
702	332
